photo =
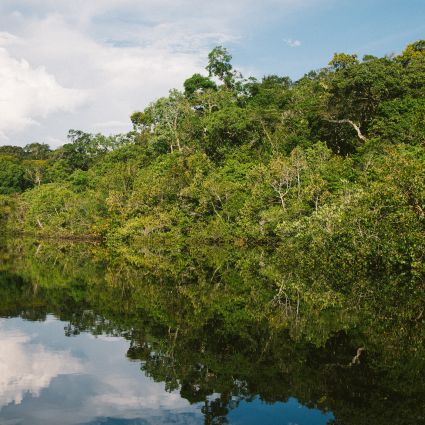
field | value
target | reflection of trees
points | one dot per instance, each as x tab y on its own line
214	331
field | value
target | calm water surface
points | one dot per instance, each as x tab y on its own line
48	378
89	336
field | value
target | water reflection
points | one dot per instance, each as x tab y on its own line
208	336
48	377
26	367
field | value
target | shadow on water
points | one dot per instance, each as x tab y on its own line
211	335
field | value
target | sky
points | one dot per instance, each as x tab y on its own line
88	64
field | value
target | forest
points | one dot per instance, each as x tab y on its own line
328	172
249	240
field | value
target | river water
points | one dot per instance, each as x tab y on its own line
87	338
49	378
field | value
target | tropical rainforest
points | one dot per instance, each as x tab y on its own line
327	171
248	237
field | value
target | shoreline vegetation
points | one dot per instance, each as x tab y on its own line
327	171
249	238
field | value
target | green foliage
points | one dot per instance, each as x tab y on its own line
219	65
37	151
343	61
14	151
196	83
286	218
321	168
6	208
12	175
55	208
413	52
401	121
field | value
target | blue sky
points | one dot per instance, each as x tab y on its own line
375	27
88	64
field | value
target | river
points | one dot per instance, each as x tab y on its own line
88	338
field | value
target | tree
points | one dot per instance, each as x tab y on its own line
198	82
353	94
84	148
400	121
35	171
12	175
219	65
412	52
38	151
140	121
165	117
15	151
343	61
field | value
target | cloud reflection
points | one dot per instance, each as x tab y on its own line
45	375
27	367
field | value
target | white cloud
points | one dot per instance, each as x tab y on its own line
292	43
7	38
27	93
123	393
111	124
116	54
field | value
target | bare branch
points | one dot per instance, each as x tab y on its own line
353	124
356	358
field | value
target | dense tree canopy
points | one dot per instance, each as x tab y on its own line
329	169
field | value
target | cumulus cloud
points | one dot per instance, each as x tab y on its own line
27	93
7	38
103	59
292	43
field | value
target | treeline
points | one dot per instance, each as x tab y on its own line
329	168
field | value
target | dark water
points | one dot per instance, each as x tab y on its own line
88	338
